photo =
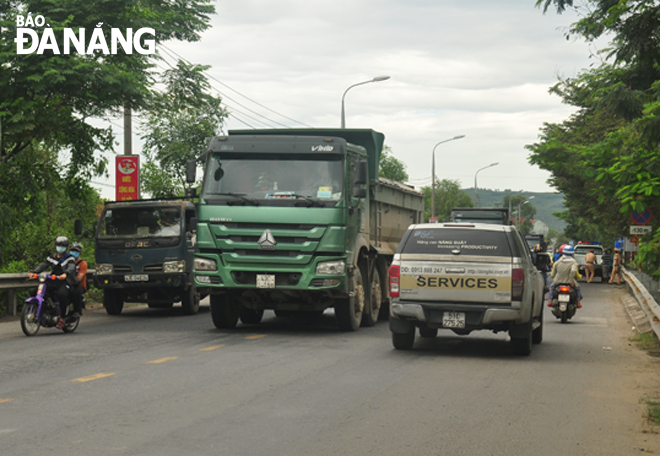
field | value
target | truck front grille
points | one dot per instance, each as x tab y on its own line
155	267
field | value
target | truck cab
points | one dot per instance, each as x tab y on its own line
144	253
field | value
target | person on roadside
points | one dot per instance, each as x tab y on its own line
606	260
62	264
616	267
590	267
80	288
565	270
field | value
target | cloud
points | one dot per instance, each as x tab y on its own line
480	68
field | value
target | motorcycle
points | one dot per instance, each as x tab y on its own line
564	302
41	310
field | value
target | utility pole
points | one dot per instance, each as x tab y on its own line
128	132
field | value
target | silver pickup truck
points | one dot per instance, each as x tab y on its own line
465	277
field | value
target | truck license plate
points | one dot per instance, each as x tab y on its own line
453	320
136	278
564	298
265	281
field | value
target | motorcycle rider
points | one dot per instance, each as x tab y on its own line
565	270
81	287
62	265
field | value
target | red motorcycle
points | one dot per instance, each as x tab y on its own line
564	302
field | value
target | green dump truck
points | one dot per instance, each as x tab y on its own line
298	221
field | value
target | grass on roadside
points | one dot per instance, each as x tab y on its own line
648	342
653	411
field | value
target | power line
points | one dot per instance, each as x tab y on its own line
272	124
239	93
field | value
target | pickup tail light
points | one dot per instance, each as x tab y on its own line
395	275
517	284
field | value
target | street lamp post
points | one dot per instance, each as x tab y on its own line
520	206
433	172
376	79
476	196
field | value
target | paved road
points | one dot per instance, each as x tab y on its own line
152	382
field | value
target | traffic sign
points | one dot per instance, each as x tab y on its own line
640	229
634	239
641	218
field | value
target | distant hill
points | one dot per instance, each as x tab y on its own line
545	203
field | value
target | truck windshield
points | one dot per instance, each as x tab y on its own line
275	179
140	222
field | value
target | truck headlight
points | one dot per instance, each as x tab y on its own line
174	266
204	264
104	268
331	267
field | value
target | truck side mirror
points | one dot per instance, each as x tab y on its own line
191	171
361	173
77	227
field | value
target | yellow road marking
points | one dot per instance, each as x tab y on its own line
162	360
92	377
256	336
5	400
213	347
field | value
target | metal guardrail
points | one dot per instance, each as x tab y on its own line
18	281
646	301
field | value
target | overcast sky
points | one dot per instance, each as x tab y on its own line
479	68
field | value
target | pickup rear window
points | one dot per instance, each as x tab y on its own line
465	241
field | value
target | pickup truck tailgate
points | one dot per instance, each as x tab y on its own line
444	280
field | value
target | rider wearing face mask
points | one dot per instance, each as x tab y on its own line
62	265
81	287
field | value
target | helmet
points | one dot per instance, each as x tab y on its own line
62	240
568	250
76	248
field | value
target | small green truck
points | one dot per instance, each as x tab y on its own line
144	253
298	221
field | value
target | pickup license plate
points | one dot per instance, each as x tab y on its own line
453	320
265	281
136	278
564	298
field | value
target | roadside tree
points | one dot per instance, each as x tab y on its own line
448	194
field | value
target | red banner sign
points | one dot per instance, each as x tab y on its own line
127	173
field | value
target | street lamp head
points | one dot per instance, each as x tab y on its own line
494	164
343	115
458	137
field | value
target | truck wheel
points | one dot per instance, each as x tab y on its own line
427	332
113	301
522	346
223	313
251	316
372	310
348	311
537	334
190	301
404	341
